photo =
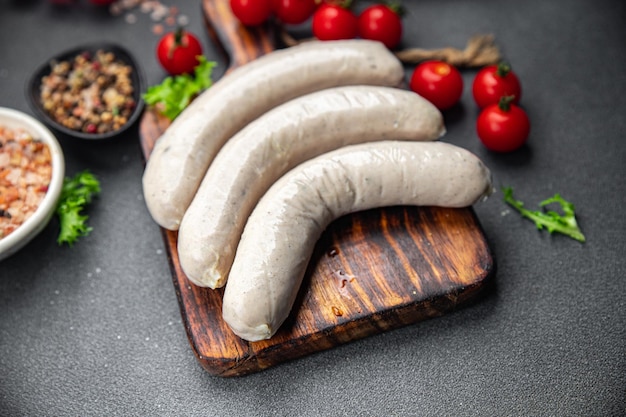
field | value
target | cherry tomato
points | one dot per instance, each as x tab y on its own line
251	12
294	12
493	82
381	23
178	52
503	127
332	22
438	82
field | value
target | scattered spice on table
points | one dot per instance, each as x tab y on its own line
25	174
159	13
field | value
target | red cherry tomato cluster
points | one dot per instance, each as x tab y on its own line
331	19
94	2
256	12
502	125
378	22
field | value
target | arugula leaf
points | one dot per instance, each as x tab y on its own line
76	193
550	220
174	94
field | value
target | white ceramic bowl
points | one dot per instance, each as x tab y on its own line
36	223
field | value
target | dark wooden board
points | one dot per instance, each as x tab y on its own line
371	272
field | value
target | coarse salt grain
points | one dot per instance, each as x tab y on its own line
183	20
158	13
158	29
146	7
25	173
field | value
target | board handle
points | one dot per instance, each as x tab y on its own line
239	44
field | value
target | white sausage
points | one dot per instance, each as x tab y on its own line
183	153
281	232
252	160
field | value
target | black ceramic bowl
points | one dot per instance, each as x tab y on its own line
33	88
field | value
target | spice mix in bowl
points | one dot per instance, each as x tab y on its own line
90	92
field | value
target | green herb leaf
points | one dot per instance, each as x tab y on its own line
548	219
76	193
175	93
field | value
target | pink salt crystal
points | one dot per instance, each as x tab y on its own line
157	29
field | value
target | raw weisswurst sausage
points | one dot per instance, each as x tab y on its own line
252	160
183	153
281	232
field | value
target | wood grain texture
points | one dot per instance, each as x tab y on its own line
238	43
371	271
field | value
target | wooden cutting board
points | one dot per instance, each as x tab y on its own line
371	272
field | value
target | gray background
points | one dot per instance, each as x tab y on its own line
96	329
